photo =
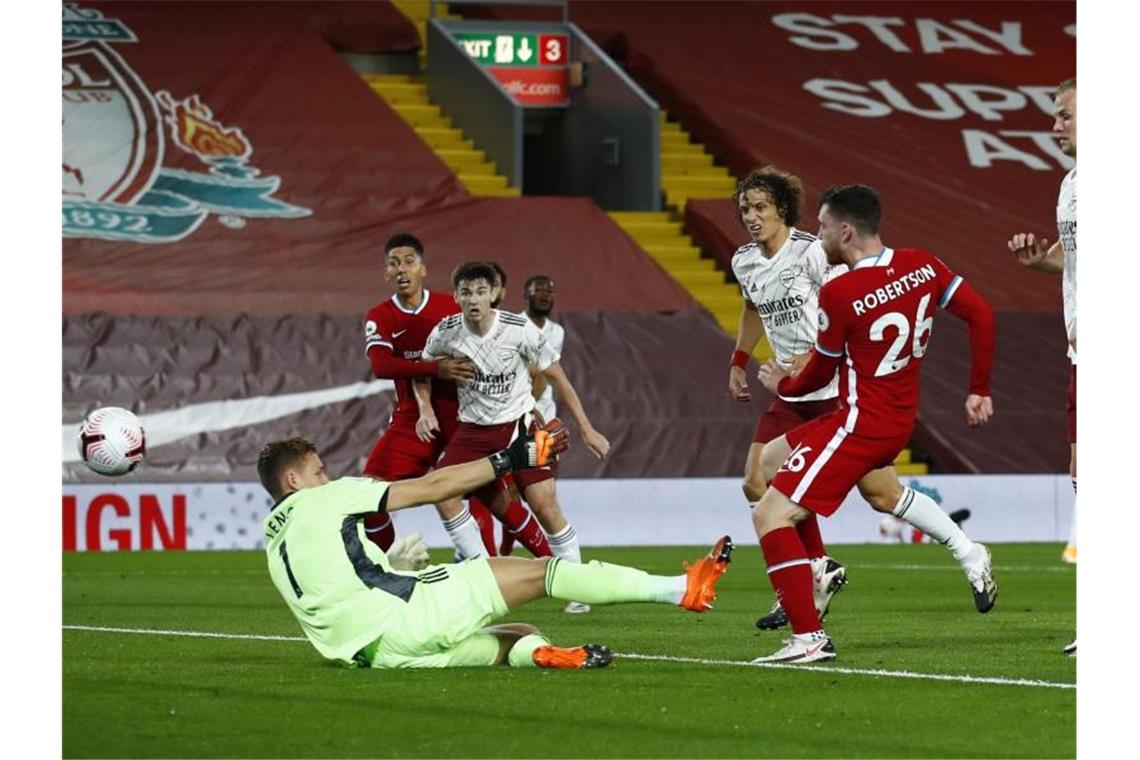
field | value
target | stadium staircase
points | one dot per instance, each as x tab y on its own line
407	95
687	171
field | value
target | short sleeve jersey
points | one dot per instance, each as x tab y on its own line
389	326
337	583
785	290
1067	233
501	389
555	336
879	317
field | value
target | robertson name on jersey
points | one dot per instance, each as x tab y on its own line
879	316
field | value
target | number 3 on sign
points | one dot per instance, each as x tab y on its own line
552	48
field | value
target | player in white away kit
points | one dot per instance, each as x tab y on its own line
539	293
503	347
780	274
1061	258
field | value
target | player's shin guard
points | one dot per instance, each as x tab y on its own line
602	583
923	513
519	523
485	522
808	531
521	654
379	529
789	572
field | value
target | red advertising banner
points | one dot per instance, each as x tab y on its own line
535	87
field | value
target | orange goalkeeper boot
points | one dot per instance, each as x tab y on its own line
700	589
573	658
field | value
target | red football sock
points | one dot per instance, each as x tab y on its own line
808	531
789	572
486	523
520	523
507	543
379	529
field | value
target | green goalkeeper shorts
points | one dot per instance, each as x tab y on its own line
440	625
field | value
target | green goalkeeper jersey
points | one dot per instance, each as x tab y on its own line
338	584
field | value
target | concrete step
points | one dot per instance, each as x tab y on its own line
459	159
399	93
384	79
444	139
638	216
476	183
696	279
685	158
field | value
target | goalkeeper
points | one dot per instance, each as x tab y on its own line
361	607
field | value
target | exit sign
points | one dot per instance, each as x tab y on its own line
491	49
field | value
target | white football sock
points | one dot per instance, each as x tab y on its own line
923	512
464	533
564	544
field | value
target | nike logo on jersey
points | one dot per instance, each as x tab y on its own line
398	334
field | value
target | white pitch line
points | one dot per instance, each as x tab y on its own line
856	671
998	568
649	657
192	634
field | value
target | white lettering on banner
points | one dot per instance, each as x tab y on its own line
951	101
984	148
818	33
606	512
477	48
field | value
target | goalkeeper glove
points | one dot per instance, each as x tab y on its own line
528	451
408	553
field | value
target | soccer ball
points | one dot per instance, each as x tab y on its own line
111	441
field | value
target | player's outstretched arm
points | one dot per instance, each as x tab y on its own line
595	441
428	424
968	305
440	485
749	330
1037	254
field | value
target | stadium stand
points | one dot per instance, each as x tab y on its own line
267	298
818	91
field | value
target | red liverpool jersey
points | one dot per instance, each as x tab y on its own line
391	328
879	317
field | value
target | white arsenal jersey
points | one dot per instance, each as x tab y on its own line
1067	231
785	291
501	389
555	336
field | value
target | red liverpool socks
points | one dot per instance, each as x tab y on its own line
520	523
808	531
379	529
789	572
485	522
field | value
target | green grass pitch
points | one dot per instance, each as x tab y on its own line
907	608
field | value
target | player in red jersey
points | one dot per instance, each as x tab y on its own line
394	334
875	323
